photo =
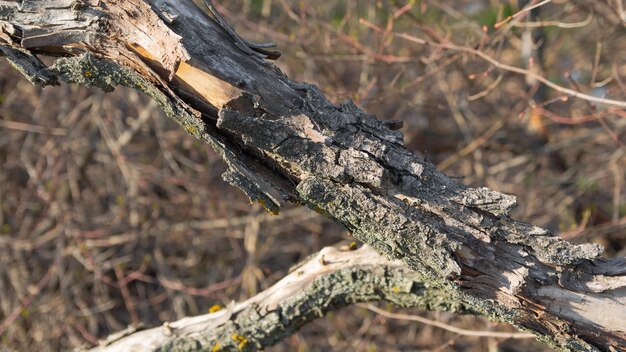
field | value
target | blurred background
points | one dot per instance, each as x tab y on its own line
111	215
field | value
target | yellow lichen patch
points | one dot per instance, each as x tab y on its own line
216	347
215	308
395	290
88	74
191	129
242	341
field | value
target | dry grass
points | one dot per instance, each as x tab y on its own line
111	215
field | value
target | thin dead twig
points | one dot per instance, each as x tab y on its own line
559	24
27	127
522	13
476	143
447	327
28	300
502	66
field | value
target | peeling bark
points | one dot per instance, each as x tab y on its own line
330	280
285	142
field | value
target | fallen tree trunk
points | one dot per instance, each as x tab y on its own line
285	142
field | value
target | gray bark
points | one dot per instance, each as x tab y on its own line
325	282
285	142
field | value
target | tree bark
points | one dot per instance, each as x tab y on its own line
285	142
328	281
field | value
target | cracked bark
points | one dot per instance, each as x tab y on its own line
285	142
330	280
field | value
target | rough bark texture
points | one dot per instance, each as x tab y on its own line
328	281
284	141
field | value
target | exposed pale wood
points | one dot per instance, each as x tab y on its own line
327	281
211	89
284	141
